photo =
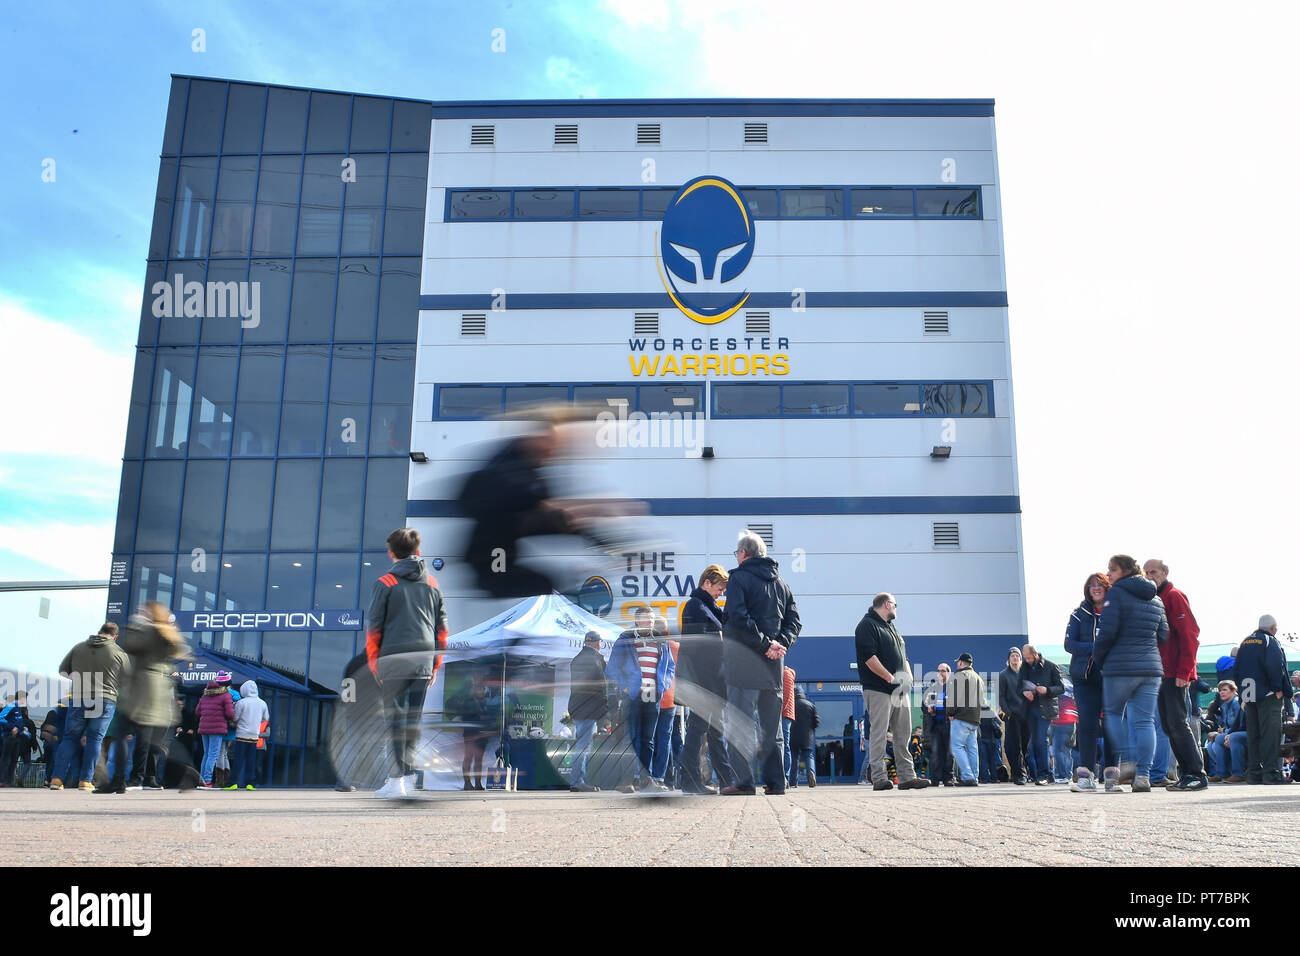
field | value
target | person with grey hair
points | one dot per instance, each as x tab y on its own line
1178	658
1264	684
762	624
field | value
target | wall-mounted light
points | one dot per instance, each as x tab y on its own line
941	451
419	457
706	451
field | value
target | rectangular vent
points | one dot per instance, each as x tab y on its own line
647	134
755	132
645	323
566	134
473	323
946	534
482	135
763	530
936	323
758	323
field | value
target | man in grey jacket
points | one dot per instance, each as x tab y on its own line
95	666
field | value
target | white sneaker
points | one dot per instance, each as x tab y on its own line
1085	783
411	783
394	789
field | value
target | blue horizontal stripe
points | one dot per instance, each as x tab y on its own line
755	507
482	302
652	109
830	658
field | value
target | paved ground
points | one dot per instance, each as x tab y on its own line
998	824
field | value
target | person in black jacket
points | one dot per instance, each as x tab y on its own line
1080	633
802	737
588	696
762	625
1045	679
701	685
1015	726
1265	685
886	678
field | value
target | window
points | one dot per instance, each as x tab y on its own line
746	401
273	280
544	204
882	203
815	400
399	299
347	427
948	202
297	498
404	217
385	500
883	399
684	399
371	118
160	491
192	211
152	577
390	404
213	403
363	206
354	313
340	518
169	408
655	202
175	112
244	118
201	510
327	123
411	122
179	328
221	321
138	418
203	117
469	401
277	205
607	204
302	414
311	307
322	204
523	396
762	203
162	209
286	115
336	583
288	585
243	582
480	204
127	502
196	590
248	504
258	405
811	203
957	398
607	397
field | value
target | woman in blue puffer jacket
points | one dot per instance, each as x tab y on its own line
1127	650
1080	633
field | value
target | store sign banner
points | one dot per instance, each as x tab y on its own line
315	620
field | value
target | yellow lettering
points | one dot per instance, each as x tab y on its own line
670	363
690	363
643	364
711	363
760	361
740	365
780	364
629	608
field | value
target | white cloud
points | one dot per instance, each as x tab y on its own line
47	543
564	73
61	393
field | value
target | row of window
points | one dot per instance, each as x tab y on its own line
204	116
273	205
765	202
260	504
257	401
784	400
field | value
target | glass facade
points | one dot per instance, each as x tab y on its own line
266	455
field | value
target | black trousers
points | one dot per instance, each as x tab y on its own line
148	740
403	701
704	728
940	755
1172	705
1263	738
1015	738
768	760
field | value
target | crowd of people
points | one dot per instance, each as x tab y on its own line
1126	712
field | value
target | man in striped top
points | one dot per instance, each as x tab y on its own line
643	670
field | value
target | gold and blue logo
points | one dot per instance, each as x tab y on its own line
705	243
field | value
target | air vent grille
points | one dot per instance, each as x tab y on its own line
482	135
936	323
647	134
566	134
758	323
645	323
763	530
473	323
946	534
755	132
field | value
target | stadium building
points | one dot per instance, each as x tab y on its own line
793	312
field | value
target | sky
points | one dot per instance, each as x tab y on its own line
1153	329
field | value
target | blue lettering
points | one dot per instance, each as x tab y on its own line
677	344
731	345
783	343
628	584
659	345
636	345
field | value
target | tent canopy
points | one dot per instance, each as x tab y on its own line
545	629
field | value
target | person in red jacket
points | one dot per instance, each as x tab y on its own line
1178	655
215	710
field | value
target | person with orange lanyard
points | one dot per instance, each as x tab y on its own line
667	744
406	625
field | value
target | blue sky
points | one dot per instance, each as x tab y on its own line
1148	261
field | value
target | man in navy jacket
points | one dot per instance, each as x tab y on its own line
1261	665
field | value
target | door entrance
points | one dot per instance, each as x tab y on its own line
839	711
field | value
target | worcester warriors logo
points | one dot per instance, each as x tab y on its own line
705	244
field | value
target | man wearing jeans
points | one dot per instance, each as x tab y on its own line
587	702
965	703
94	667
886	678
642	668
1178	655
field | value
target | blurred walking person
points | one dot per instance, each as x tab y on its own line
149	700
702	684
588	699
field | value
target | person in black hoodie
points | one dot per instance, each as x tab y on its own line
1045	678
762	625
701	685
1013	707
1080	634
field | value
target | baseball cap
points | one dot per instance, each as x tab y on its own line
965	657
